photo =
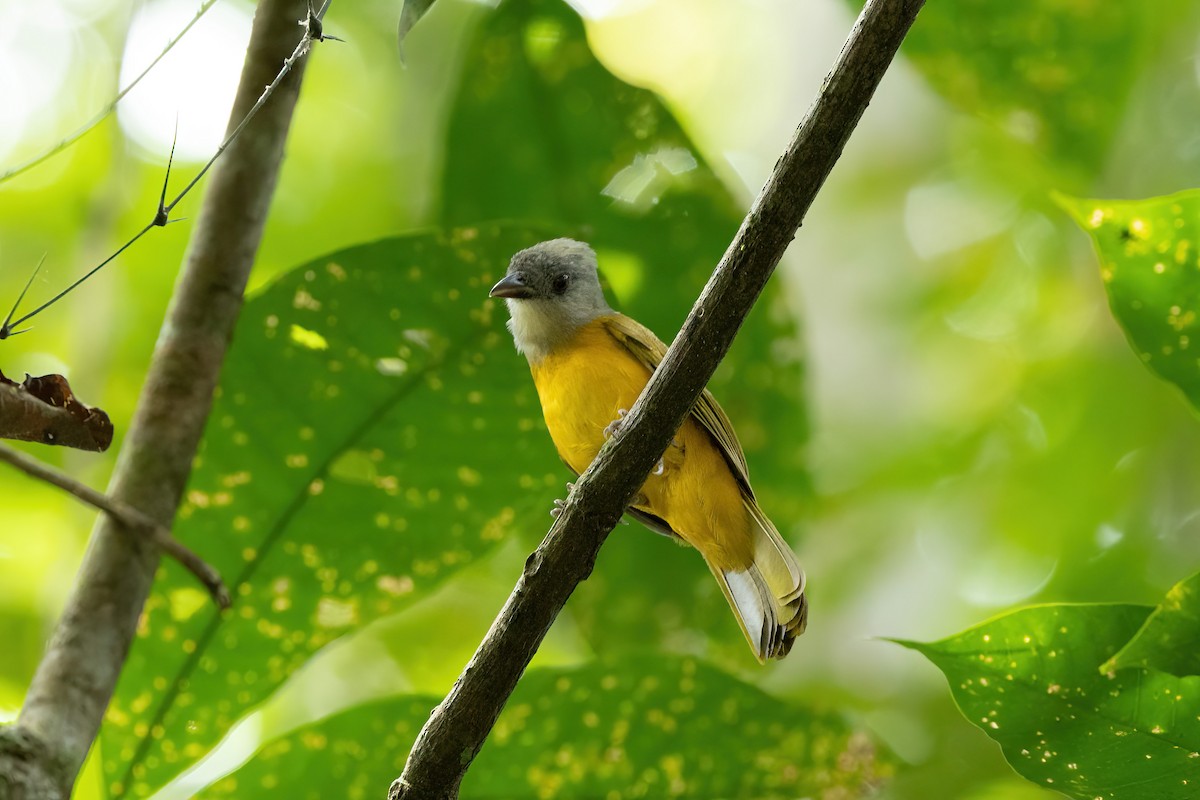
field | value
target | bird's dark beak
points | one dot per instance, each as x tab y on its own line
511	286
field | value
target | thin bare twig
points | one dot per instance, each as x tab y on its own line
313	32
108	109
6	329
129	517
458	727
161	220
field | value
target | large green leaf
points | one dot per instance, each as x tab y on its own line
1055	74
1031	681
543	131
372	436
1150	262
661	727
1170	639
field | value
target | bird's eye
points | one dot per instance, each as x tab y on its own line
560	283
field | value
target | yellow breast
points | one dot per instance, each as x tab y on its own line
583	384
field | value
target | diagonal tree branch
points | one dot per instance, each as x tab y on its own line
130	518
75	680
457	728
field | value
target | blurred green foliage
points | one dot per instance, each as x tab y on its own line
980	436
1055	74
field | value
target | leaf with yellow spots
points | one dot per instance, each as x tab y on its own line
1150	263
1170	639
643	727
331	490
1031	680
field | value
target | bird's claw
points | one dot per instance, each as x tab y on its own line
559	505
614	427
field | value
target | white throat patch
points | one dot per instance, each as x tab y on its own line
538	326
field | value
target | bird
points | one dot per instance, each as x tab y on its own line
589	364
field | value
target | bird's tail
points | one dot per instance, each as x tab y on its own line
767	597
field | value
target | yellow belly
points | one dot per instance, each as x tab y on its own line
583	384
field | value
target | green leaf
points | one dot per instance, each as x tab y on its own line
1055	74
375	432
411	12
646	728
1150	262
1170	639
1030	680
542	130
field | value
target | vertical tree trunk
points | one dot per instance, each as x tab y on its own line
41	755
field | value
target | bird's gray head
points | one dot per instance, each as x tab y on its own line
551	290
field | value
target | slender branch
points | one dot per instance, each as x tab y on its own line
108	109
160	221
459	726
313	32
76	679
6	330
130	518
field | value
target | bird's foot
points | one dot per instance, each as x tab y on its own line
559	505
614	427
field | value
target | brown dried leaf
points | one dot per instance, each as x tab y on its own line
45	410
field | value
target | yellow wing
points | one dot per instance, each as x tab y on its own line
768	597
641	342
